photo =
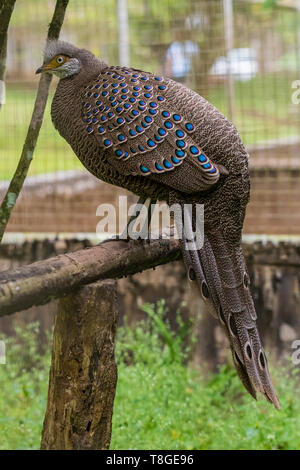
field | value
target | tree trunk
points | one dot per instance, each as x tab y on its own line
83	373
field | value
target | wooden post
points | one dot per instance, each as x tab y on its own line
83	373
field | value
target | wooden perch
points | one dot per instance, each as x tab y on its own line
83	375
38	283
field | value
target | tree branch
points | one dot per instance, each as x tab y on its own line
18	179
38	283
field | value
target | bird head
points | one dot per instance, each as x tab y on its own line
62	59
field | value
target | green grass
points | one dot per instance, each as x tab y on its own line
160	403
262	112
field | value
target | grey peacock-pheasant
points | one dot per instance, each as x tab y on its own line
161	140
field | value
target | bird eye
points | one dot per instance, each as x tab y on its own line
60	60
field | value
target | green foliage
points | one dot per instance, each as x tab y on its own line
23	392
161	403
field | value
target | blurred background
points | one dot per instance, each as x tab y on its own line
243	59
241	55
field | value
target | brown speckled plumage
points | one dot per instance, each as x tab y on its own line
218	269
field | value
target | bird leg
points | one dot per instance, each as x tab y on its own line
128	232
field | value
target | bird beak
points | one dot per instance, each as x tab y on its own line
45	68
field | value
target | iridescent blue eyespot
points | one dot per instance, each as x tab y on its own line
119	153
111	98
115	75
123	97
126	154
124	90
212	171
105	85
202	158
88	120
89	114
138	129
142	103
98	103
207	165
132	132
114	85
165	113
121	137
97	86
101	129
96	95
152	111
147	87
158	167
189	126
160	98
151	143
95	119
135	112
143	78
175	160
120	120
103	118
115	90
133	80
144	124
119	109
106	108
161	131
132	150
158	78
177	117
168	124
167	164
135	93
110	114
141	148
180	153
89	93
153	104
194	150
114	103
110	127
147	95
135	75
88	105
121	84
141	108
132	100
162	87
144	169
157	138
104	93
148	119
107	142
180	143
127	105
180	133
136	88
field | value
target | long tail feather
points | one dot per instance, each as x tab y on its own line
220	274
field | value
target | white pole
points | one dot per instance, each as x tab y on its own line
229	44
123	26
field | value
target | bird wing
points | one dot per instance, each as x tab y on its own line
128	112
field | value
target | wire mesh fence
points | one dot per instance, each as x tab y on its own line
248	71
